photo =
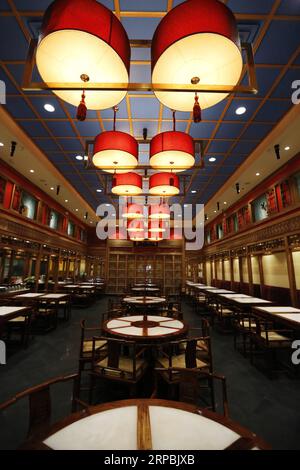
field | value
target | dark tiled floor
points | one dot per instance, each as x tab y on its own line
269	408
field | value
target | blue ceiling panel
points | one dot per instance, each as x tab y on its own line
27	5
58	158
140	53
10	88
47	145
229	131
122	126
265	79
214	113
289	7
71	145
202	130
273	110
18	108
61	128
226	169
250	105
138	28
257	131
168	126
143	5
88	128
38	102
144	107
284	89
259	6
17	71
139	126
236	160
220	146
35	129
274	49
122	112
17	48
140	73
167	114
244	147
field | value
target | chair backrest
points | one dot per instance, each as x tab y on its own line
197	386
190	350
115	348
87	333
40	406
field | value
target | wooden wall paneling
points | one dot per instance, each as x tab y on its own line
291	274
250	275
261	275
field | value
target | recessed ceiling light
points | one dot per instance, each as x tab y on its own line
49	107
31	171
52	189
1	144
241	110
193	192
225	203
79	157
257	174
91	222
99	190
287	148
76	210
212	159
215	212
66	200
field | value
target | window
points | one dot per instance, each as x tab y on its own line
71	229
54	220
260	208
28	206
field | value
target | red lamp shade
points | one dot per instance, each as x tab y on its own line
133	211
197	41
172	150
159	211
136	226
137	237
155	237
164	184
83	38
156	226
115	151
127	184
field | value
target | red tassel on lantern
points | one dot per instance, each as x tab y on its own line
82	109
197	110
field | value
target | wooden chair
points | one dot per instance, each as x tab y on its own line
195	386
123	363
21	326
182	354
40	405
172	309
268	340
45	316
86	348
243	325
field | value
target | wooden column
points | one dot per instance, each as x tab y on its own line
241	270
250	275
37	269
261	275
56	271
291	274
11	260
231	273
47	272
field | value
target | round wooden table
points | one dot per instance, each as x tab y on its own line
144	300
145	289
145	328
147	425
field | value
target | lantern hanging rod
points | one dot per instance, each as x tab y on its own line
29	85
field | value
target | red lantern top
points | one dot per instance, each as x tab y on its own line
193	17
91	17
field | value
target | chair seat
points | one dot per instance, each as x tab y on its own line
179	361
247	324
274	336
88	345
125	368
17	320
